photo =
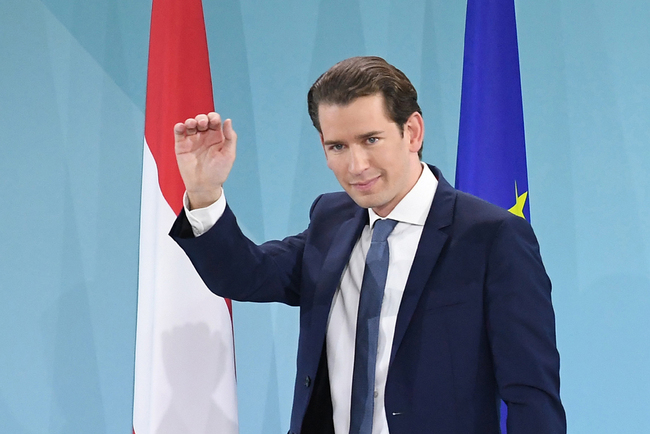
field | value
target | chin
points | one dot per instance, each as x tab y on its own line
365	201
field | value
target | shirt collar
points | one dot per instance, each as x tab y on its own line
414	207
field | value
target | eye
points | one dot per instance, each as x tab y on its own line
372	140
336	147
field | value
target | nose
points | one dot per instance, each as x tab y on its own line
358	160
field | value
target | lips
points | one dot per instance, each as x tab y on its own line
364	185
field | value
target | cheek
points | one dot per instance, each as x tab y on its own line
335	165
336	159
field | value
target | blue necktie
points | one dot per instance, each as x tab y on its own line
365	352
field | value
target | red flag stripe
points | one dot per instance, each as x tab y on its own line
179	85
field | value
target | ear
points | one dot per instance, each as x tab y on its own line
414	131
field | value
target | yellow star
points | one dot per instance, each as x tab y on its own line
518	208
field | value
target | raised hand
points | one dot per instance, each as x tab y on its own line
205	152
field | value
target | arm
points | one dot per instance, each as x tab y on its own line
230	264
234	267
521	328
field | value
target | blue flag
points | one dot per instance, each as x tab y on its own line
491	161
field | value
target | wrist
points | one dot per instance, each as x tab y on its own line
203	199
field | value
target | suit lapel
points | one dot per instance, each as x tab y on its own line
333	265
431	243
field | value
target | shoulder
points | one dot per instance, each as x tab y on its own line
475	219
329	215
497	227
476	209
452	206
338	204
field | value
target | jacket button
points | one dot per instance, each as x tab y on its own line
307	381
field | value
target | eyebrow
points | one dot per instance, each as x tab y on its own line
369	135
359	137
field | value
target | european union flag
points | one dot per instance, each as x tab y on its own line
491	161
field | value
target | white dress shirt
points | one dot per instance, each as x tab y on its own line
411	213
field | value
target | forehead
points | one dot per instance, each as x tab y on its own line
362	112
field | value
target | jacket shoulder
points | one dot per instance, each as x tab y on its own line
479	209
338	206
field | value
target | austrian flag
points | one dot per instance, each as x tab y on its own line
185	372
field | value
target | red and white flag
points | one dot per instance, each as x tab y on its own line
184	367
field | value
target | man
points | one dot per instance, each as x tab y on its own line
424	330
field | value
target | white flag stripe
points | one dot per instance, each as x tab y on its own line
185	380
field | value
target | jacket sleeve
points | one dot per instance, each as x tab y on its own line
521	330
233	266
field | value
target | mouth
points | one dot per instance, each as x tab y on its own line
364	186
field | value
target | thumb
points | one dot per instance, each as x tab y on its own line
228	132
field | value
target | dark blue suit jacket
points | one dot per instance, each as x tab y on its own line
475	323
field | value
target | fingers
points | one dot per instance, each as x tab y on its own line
201	123
214	121
179	131
191	126
203	130
198	124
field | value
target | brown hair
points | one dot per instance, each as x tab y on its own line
364	76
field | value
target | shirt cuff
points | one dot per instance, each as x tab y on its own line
202	219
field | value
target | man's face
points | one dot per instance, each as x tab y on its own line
373	161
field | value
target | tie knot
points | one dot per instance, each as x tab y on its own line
382	229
